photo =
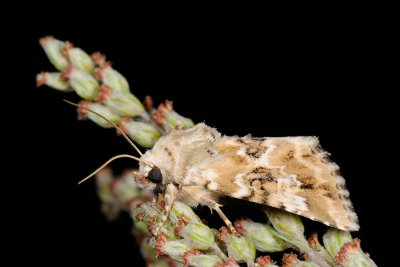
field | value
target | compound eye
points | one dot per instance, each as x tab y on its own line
155	175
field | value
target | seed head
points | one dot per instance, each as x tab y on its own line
53	49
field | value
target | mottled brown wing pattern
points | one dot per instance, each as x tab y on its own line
291	173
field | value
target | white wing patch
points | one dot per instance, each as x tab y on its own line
263	160
241	152
292	203
290	180
243	189
212	186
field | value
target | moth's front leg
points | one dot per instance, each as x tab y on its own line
170	194
204	197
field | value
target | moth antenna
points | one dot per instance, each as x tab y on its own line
110	160
110	122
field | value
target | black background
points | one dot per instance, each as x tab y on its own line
333	84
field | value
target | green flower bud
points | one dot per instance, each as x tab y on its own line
150	215
125	189
174	120
288	227
79	58
175	249
261	235
138	216
168	230
265	261
180	208
53	49
239	248
53	80
112	78
101	109
334	239
220	245
104	179
150	210
198	235
194	258
84	84
140	220
99	59
109	205
314	243
285	222
143	133
125	103
290	260
351	255
142	226
168	118
147	251
111	210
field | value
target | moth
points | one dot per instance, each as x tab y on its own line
199	165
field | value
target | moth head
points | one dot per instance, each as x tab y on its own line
153	172
149	178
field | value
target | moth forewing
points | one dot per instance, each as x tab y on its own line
290	173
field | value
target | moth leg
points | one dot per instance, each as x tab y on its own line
202	196
228	223
170	194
